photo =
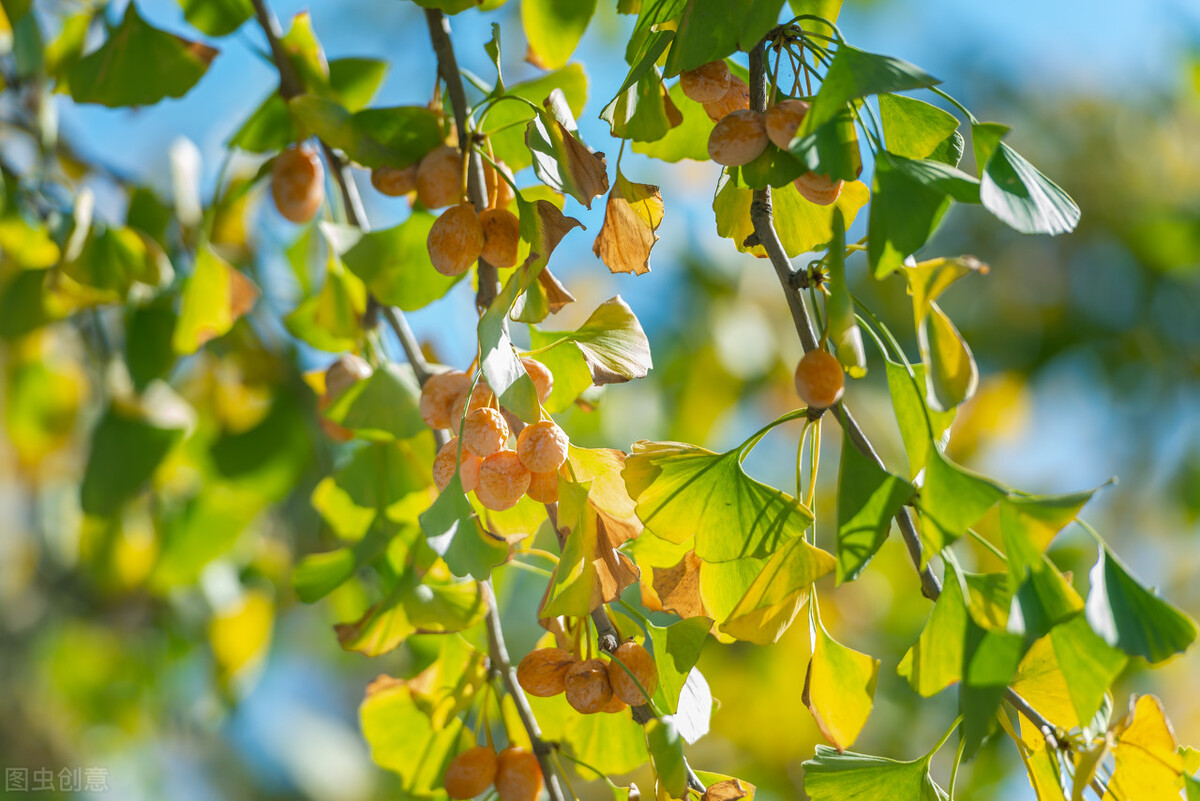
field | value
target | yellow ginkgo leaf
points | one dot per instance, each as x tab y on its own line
1148	764
839	688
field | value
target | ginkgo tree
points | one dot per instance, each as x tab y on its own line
449	476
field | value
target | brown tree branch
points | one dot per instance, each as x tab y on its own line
498	653
764	228
439	36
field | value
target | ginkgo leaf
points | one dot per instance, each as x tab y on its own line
1041	681
868	498
687	140
802	225
913	414
138	65
1038	518
935	660
1128	616
456	535
927	280
504	123
834	776
666	754
643	110
951	501
842	328
611	341
402	736
676	649
1147	764
214	296
1042	595
951	376
384	478
678	587
913	128
1089	664
560	159
413	608
591	571
777	593
383	407
554	28
1023	198
331	320
631	216
1041	764
839	686
683	490
394	264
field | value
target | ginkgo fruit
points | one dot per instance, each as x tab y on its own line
347	371
499	192
543	487
471	772
395	181
298	183
518	775
639	662
446	462
783	120
818	188
484	432
587	687
465	402
502	480
542	446
439	178
543	672
739	138
455	240
706	83
819	379
736	98
543	379
501	234
438	395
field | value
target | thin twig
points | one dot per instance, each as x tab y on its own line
764	230
443	48
498	653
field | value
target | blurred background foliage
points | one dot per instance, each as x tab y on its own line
161	638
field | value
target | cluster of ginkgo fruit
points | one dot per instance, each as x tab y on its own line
514	772
591	685
741	135
460	236
457	239
497	474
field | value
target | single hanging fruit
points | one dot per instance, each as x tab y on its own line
298	183
819	379
455	240
439	178
706	83
739	138
587	687
640	664
543	672
518	775
470	773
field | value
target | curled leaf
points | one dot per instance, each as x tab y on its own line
631	217
560	159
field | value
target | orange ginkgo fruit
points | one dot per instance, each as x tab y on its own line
640	664
739	138
542	447
298	183
446	462
471	772
518	775
347	371
501	234
543	487
736	98
819	379
438	395
394	181
455	240
818	188
478	398
502	481
707	83
543	672
484	432
543	379
587	687
439	178
783	120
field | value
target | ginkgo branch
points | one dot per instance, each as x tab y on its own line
762	218
443	48
498	653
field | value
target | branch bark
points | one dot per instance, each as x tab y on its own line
443	48
762	218
498	653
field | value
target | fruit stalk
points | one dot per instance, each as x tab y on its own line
443	48
498	653
764	229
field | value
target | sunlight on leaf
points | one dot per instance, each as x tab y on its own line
839	686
